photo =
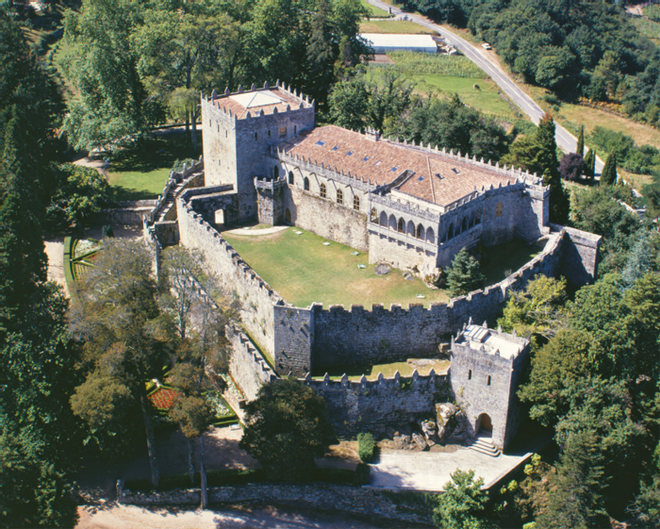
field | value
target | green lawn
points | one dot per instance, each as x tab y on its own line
373	10
140	172
303	271
393	26
405	369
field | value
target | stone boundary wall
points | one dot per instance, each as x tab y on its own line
173	180
256	296
355	335
128	216
248	368
322	496
380	405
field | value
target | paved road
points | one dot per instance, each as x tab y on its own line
565	140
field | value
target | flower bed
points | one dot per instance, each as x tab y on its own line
163	397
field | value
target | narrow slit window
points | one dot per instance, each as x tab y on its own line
470	374
488	384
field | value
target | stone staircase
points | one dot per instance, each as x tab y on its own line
168	208
483	444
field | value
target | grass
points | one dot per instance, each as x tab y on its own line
304	271
393	26
445	74
373	10
140	172
405	369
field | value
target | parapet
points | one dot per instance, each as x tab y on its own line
491	342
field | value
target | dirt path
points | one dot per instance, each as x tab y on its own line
133	517
55	251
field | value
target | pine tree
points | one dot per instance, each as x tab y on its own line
464	275
546	161
580	142
608	176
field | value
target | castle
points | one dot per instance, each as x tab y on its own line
411	206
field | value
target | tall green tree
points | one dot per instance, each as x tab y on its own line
580	142
287	428
588	166
464	276
609	175
546	161
125	342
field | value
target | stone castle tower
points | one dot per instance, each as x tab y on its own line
239	130
486	366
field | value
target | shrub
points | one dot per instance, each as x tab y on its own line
366	447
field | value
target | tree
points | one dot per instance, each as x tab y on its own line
286	429
609	175
464	275
546	161
349	103
571	167
125	343
462	504
539	311
589	161
580	142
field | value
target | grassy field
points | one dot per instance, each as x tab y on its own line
303	270
393	26
405	369
373	10
141	172
445	74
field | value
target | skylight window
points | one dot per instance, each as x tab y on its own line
320	142
365	158
349	153
394	169
420	179
335	148
439	176
455	170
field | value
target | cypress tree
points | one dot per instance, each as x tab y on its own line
580	142
608	176
587	168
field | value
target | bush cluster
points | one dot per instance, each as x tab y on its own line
366	447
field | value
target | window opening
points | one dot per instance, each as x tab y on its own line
276	172
322	191
400	226
306	184
470	374
356	203
420	231
256	137
320	142
340	196
498	209
488	380
374	215
283	131
291	177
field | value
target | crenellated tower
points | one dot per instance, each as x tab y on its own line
238	131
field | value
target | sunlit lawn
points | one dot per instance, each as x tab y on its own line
373	10
141	171
304	271
405	369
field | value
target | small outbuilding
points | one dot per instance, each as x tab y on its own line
386	42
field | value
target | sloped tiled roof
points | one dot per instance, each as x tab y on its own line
437	178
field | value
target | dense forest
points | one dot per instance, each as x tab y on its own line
576	48
72	372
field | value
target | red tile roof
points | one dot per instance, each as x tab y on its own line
437	178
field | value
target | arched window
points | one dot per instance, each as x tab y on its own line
499	209
291	177
322	191
430	236
340	196
383	218
464	224
420	231
392	222
356	203
411	228
276	172
282	130
374	215
306	184
401	226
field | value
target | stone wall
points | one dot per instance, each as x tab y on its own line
257	298
580	256
358	500
270	200
248	368
359	336
380	405
294	335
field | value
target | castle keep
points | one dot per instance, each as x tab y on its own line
411	206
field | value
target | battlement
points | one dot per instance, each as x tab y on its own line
487	341
257	102
270	184
396	383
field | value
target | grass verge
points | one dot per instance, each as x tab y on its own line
393	26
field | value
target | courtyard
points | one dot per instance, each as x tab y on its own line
305	268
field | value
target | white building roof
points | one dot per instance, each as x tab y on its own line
382	42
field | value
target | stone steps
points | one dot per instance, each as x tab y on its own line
484	445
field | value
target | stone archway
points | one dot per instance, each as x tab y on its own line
287	216
484	424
